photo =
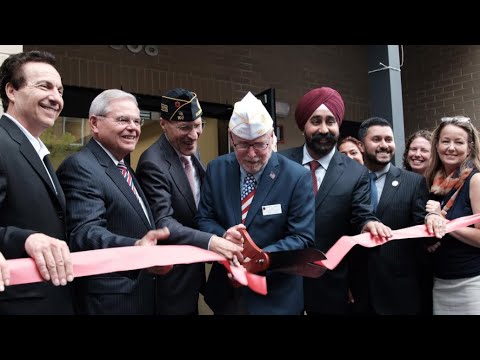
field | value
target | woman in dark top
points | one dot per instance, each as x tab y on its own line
455	187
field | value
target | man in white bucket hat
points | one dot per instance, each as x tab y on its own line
269	195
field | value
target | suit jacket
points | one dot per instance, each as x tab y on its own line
103	212
342	207
28	204
163	179
282	182
394	269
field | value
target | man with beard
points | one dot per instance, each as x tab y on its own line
391	279
342	199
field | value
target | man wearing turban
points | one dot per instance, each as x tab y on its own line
342	194
257	189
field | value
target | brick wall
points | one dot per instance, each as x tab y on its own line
440	80
224	74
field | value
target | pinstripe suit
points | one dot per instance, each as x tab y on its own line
28	204
165	183
103	212
391	279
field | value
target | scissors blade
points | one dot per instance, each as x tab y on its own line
306	270
297	262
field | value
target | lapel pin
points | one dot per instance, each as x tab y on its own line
395	183
272	175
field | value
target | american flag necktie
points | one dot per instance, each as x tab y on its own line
248	191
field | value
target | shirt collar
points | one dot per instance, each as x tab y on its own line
37	143
115	161
324	161
383	171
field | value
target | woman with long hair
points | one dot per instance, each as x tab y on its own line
454	181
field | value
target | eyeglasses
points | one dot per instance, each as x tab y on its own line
246	146
460	119
186	129
125	121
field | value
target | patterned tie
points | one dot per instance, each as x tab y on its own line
373	191
126	174
248	191
188	167
314	165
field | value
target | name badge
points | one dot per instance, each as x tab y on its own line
271	209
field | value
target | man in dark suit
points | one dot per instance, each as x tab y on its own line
342	203
391	277
106	207
270	195
32	204
171	175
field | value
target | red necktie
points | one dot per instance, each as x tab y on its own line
314	165
248	191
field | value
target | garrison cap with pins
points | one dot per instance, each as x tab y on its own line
180	105
250	119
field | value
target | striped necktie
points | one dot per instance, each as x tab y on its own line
126	174
248	191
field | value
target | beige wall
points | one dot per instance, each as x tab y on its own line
224	73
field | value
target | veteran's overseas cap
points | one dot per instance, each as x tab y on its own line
250	119
180	105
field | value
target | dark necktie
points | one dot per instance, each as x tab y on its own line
50	170
248	191
314	165
373	191
128	177
188	167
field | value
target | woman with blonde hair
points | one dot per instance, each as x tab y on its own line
454	180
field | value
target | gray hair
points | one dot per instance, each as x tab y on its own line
100	105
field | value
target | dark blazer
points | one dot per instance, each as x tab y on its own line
342	207
163	179
103	212
394	269
282	182
28	204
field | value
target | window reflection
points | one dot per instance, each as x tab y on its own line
65	137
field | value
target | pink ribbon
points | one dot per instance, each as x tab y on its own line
101	261
93	262
343	245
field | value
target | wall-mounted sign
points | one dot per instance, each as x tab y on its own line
150	50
